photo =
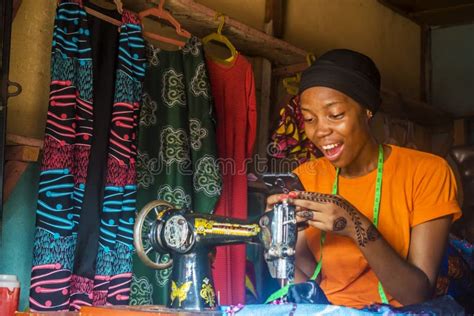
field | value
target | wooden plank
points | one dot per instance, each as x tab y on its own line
459	132
447	17
289	70
13	172
22	153
426	64
22	140
16	6
421	113
264	102
201	20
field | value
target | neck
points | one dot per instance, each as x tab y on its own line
366	160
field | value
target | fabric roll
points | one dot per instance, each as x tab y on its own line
83	244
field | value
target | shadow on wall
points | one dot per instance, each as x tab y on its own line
16	250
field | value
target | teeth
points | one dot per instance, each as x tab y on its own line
331	146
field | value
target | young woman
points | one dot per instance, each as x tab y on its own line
378	215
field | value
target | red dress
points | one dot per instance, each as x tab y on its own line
233	89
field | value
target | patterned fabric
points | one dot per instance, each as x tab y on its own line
68	143
289	139
441	306
456	276
176	150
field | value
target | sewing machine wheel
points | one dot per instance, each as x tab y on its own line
141	239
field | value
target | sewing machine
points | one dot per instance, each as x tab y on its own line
190	237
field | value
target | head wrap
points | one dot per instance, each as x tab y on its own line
349	72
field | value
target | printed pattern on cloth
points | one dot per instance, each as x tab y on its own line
67	146
289	140
177	147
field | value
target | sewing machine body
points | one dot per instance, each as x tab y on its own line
190	237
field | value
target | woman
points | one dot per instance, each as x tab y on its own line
413	194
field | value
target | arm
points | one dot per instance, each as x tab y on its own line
304	260
409	281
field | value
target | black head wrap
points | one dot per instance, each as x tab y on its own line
349	72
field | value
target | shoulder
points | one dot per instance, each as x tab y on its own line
315	173
313	167
417	161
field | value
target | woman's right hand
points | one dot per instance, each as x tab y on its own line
274	199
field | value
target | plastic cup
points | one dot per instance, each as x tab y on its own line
9	294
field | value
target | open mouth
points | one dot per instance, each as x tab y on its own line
332	151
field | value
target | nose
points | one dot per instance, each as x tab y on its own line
322	129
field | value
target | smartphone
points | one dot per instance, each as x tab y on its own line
282	182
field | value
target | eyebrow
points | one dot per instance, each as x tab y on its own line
325	106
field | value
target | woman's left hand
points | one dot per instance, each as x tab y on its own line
333	213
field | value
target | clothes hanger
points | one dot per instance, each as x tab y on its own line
119	5
163	14
292	83
218	37
104	17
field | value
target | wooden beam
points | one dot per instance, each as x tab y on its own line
22	153
396	105
460	132
201	20
16	6
290	70
426	64
396	9
446	16
13	172
22	140
418	14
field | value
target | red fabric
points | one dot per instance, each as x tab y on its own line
233	89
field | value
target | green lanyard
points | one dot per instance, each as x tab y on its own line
378	193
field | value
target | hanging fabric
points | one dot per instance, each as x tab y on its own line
289	139
233	89
177	156
86	203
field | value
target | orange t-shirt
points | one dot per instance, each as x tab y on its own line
416	187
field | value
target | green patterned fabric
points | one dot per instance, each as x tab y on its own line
177	153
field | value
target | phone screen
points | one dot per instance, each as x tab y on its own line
282	182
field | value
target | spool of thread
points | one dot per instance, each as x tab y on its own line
9	294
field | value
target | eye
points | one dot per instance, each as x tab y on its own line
337	116
308	119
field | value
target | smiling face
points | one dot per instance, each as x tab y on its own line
336	124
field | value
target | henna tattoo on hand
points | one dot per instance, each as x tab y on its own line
339	224
372	233
302	225
305	214
361	233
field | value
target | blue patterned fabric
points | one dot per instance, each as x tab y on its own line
83	125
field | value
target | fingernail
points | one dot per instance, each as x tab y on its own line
293	194
283	197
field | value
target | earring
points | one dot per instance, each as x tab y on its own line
369	114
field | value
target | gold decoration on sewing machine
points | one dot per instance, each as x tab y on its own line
207	293
180	292
204	226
